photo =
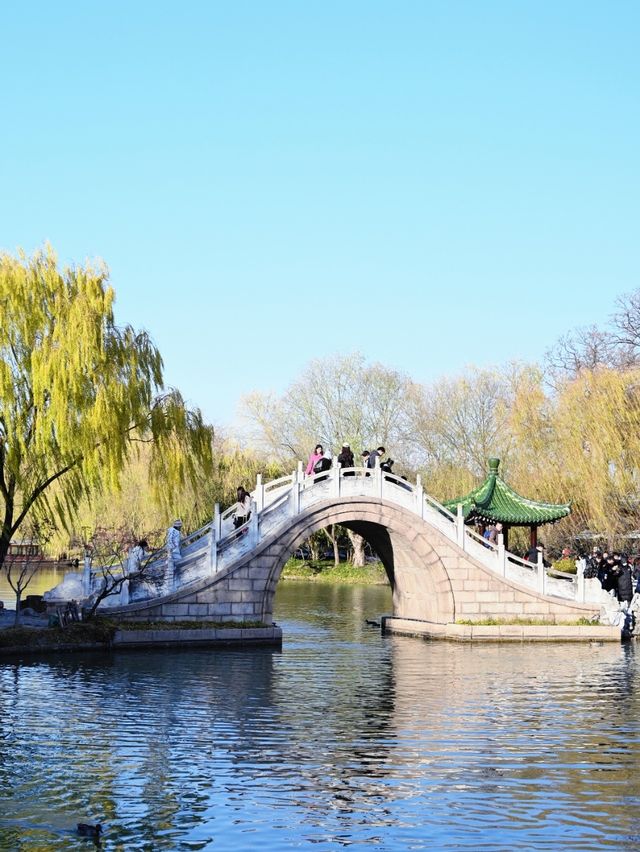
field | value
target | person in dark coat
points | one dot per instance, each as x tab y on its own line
375	456
606	574
345	459
532	555
624	580
594	562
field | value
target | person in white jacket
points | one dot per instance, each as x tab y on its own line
243	508
137	555
173	540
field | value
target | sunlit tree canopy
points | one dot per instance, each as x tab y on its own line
77	392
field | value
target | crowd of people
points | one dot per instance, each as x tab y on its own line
319	462
617	573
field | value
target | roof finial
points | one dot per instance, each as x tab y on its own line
494	464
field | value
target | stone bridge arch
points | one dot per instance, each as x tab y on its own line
414	564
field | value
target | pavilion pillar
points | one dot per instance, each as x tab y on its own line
505	534
534	535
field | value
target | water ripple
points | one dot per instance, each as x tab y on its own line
343	739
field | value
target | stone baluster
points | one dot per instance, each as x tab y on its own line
460	537
419	497
218	521
215	535
124	593
335	472
169	574
86	574
542	574
259	493
254	525
502	556
581	564
296	487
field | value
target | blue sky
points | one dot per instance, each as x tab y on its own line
433	184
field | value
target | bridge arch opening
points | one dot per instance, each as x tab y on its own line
419	582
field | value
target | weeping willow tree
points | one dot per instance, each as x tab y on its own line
76	395
597	426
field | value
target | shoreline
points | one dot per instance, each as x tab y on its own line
455	632
323	571
103	635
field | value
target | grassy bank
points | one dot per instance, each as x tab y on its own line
326	572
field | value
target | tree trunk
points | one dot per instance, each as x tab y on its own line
333	538
357	542
5	530
16	620
314	547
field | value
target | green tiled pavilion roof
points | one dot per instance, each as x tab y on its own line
495	501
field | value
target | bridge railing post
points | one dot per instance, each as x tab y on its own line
542	574
460	537
214	538
259	493
296	488
86	574
419	497
169	574
254	525
581	564
335	470
502	556
124	593
380	478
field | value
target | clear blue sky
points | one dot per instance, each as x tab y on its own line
430	183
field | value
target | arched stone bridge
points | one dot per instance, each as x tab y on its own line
439	570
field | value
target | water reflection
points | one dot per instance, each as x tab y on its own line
346	738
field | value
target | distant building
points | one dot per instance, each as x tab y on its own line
23	549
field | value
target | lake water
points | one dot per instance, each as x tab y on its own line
345	738
41	582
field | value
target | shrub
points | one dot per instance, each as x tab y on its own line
567	565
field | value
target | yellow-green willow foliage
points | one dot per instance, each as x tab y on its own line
597	427
76	392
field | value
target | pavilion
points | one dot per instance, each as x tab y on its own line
494	501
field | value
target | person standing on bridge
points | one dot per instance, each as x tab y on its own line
173	540
375	456
137	555
314	458
243	508
345	458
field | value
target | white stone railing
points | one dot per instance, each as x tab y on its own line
214	547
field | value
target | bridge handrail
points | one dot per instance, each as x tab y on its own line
282	481
522	562
196	534
399	481
442	510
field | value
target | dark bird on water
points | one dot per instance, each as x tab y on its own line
85	830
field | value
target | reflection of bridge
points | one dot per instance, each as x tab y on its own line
439	569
